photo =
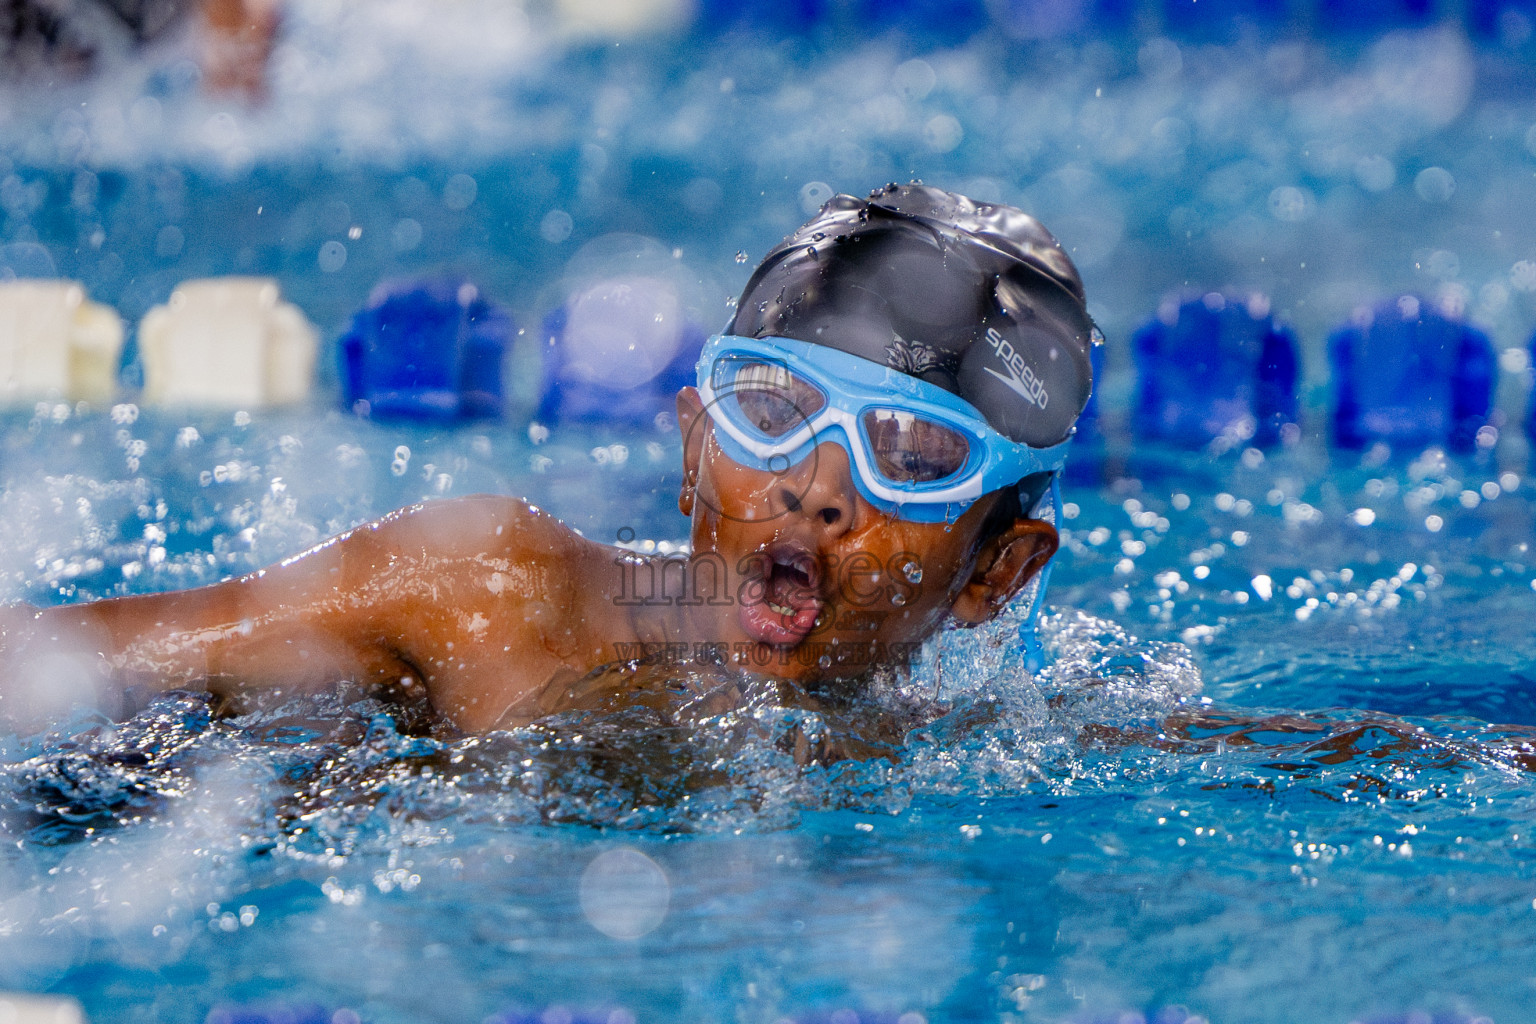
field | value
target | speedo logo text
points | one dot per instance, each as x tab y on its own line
1021	379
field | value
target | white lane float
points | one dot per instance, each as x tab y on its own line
56	343
227	341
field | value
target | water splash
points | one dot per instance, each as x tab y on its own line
669	749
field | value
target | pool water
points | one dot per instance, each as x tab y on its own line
1282	767
1228	797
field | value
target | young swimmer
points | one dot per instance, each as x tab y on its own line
862	457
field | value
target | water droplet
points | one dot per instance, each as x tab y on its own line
741	256
624	894
825	661
913	572
333	256
556	226
898	599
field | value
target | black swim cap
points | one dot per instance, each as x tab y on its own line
976	298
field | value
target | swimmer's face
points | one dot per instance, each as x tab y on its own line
821	582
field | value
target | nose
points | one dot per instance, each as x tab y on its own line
820	488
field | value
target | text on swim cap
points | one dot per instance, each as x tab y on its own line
1021	379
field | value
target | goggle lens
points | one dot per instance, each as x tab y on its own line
767	396
910	449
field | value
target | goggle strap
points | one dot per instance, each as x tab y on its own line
1029	628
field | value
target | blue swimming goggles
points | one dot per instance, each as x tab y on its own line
918	452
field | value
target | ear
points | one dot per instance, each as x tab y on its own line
1006	562
690	423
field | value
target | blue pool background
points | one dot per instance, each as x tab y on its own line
1047	851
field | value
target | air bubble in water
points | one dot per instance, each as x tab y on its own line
741	256
913	572
898	599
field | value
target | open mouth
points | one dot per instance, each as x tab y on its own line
791	581
789	601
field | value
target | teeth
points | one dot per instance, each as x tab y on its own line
780	609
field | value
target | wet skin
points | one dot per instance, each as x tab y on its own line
851	580
494	611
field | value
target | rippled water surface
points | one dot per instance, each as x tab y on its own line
1284	746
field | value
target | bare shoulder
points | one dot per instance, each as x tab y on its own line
484	526
517	547
496	599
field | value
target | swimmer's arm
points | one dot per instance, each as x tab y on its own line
386	604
